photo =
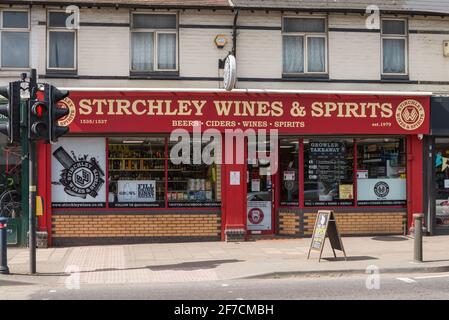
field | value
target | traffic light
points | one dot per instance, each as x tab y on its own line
55	95
11	111
38	118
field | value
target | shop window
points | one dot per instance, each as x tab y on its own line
191	184
288	159
304	45
15	39
154	42
61	45
381	172
10	179
78	173
394	47
136	172
442	181
328	172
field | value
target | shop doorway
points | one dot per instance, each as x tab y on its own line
442	184
260	193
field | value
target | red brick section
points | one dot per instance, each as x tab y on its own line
288	224
363	223
155	225
354	223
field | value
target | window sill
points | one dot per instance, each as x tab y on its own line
61	73
386	77
305	77
154	75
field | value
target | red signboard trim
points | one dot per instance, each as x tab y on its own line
162	112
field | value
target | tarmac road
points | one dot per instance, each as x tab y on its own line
390	287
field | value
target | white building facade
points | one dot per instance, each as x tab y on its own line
371	58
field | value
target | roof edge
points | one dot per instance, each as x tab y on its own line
257	91
231	6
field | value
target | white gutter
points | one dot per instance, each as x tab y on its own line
260	91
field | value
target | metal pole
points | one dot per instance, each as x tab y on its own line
32	206
32	184
418	254
3	246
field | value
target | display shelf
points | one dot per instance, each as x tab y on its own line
144	170
122	159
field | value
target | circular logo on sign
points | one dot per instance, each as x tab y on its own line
255	215
410	114
289	185
381	189
83	178
230	73
67	103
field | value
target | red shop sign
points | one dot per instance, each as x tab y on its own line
161	112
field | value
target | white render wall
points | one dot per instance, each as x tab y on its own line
103	52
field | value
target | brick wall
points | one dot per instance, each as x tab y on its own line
299	223
366	223
288	223
80	229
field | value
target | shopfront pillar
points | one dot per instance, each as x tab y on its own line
415	180
234	202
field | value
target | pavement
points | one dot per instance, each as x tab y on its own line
215	261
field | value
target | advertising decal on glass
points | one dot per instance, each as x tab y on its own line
78	173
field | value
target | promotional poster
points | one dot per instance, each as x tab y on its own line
78	173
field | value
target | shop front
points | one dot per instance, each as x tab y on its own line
13	191
147	166
437	182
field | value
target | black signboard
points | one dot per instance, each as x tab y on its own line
326	166
439	113
326	226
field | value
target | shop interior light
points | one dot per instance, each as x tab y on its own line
133	141
286	147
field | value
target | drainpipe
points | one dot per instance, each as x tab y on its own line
234	34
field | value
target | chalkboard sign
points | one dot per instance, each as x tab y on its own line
326	166
326	226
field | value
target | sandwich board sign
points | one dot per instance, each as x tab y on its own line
326	226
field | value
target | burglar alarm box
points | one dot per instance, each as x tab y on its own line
446	48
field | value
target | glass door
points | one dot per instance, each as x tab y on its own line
442	182
260	194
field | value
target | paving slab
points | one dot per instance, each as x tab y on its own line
209	261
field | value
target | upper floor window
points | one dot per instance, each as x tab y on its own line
61	42
394	46
154	42
15	39
304	43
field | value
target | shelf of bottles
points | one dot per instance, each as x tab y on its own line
138	162
193	184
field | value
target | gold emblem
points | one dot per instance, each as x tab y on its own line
67	103
410	114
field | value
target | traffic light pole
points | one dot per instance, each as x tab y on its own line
32	185
32	204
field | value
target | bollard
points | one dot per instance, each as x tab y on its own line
3	246
418	218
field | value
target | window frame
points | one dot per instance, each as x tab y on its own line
305	36
301	175
60	29
394	37
28	29
156	33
